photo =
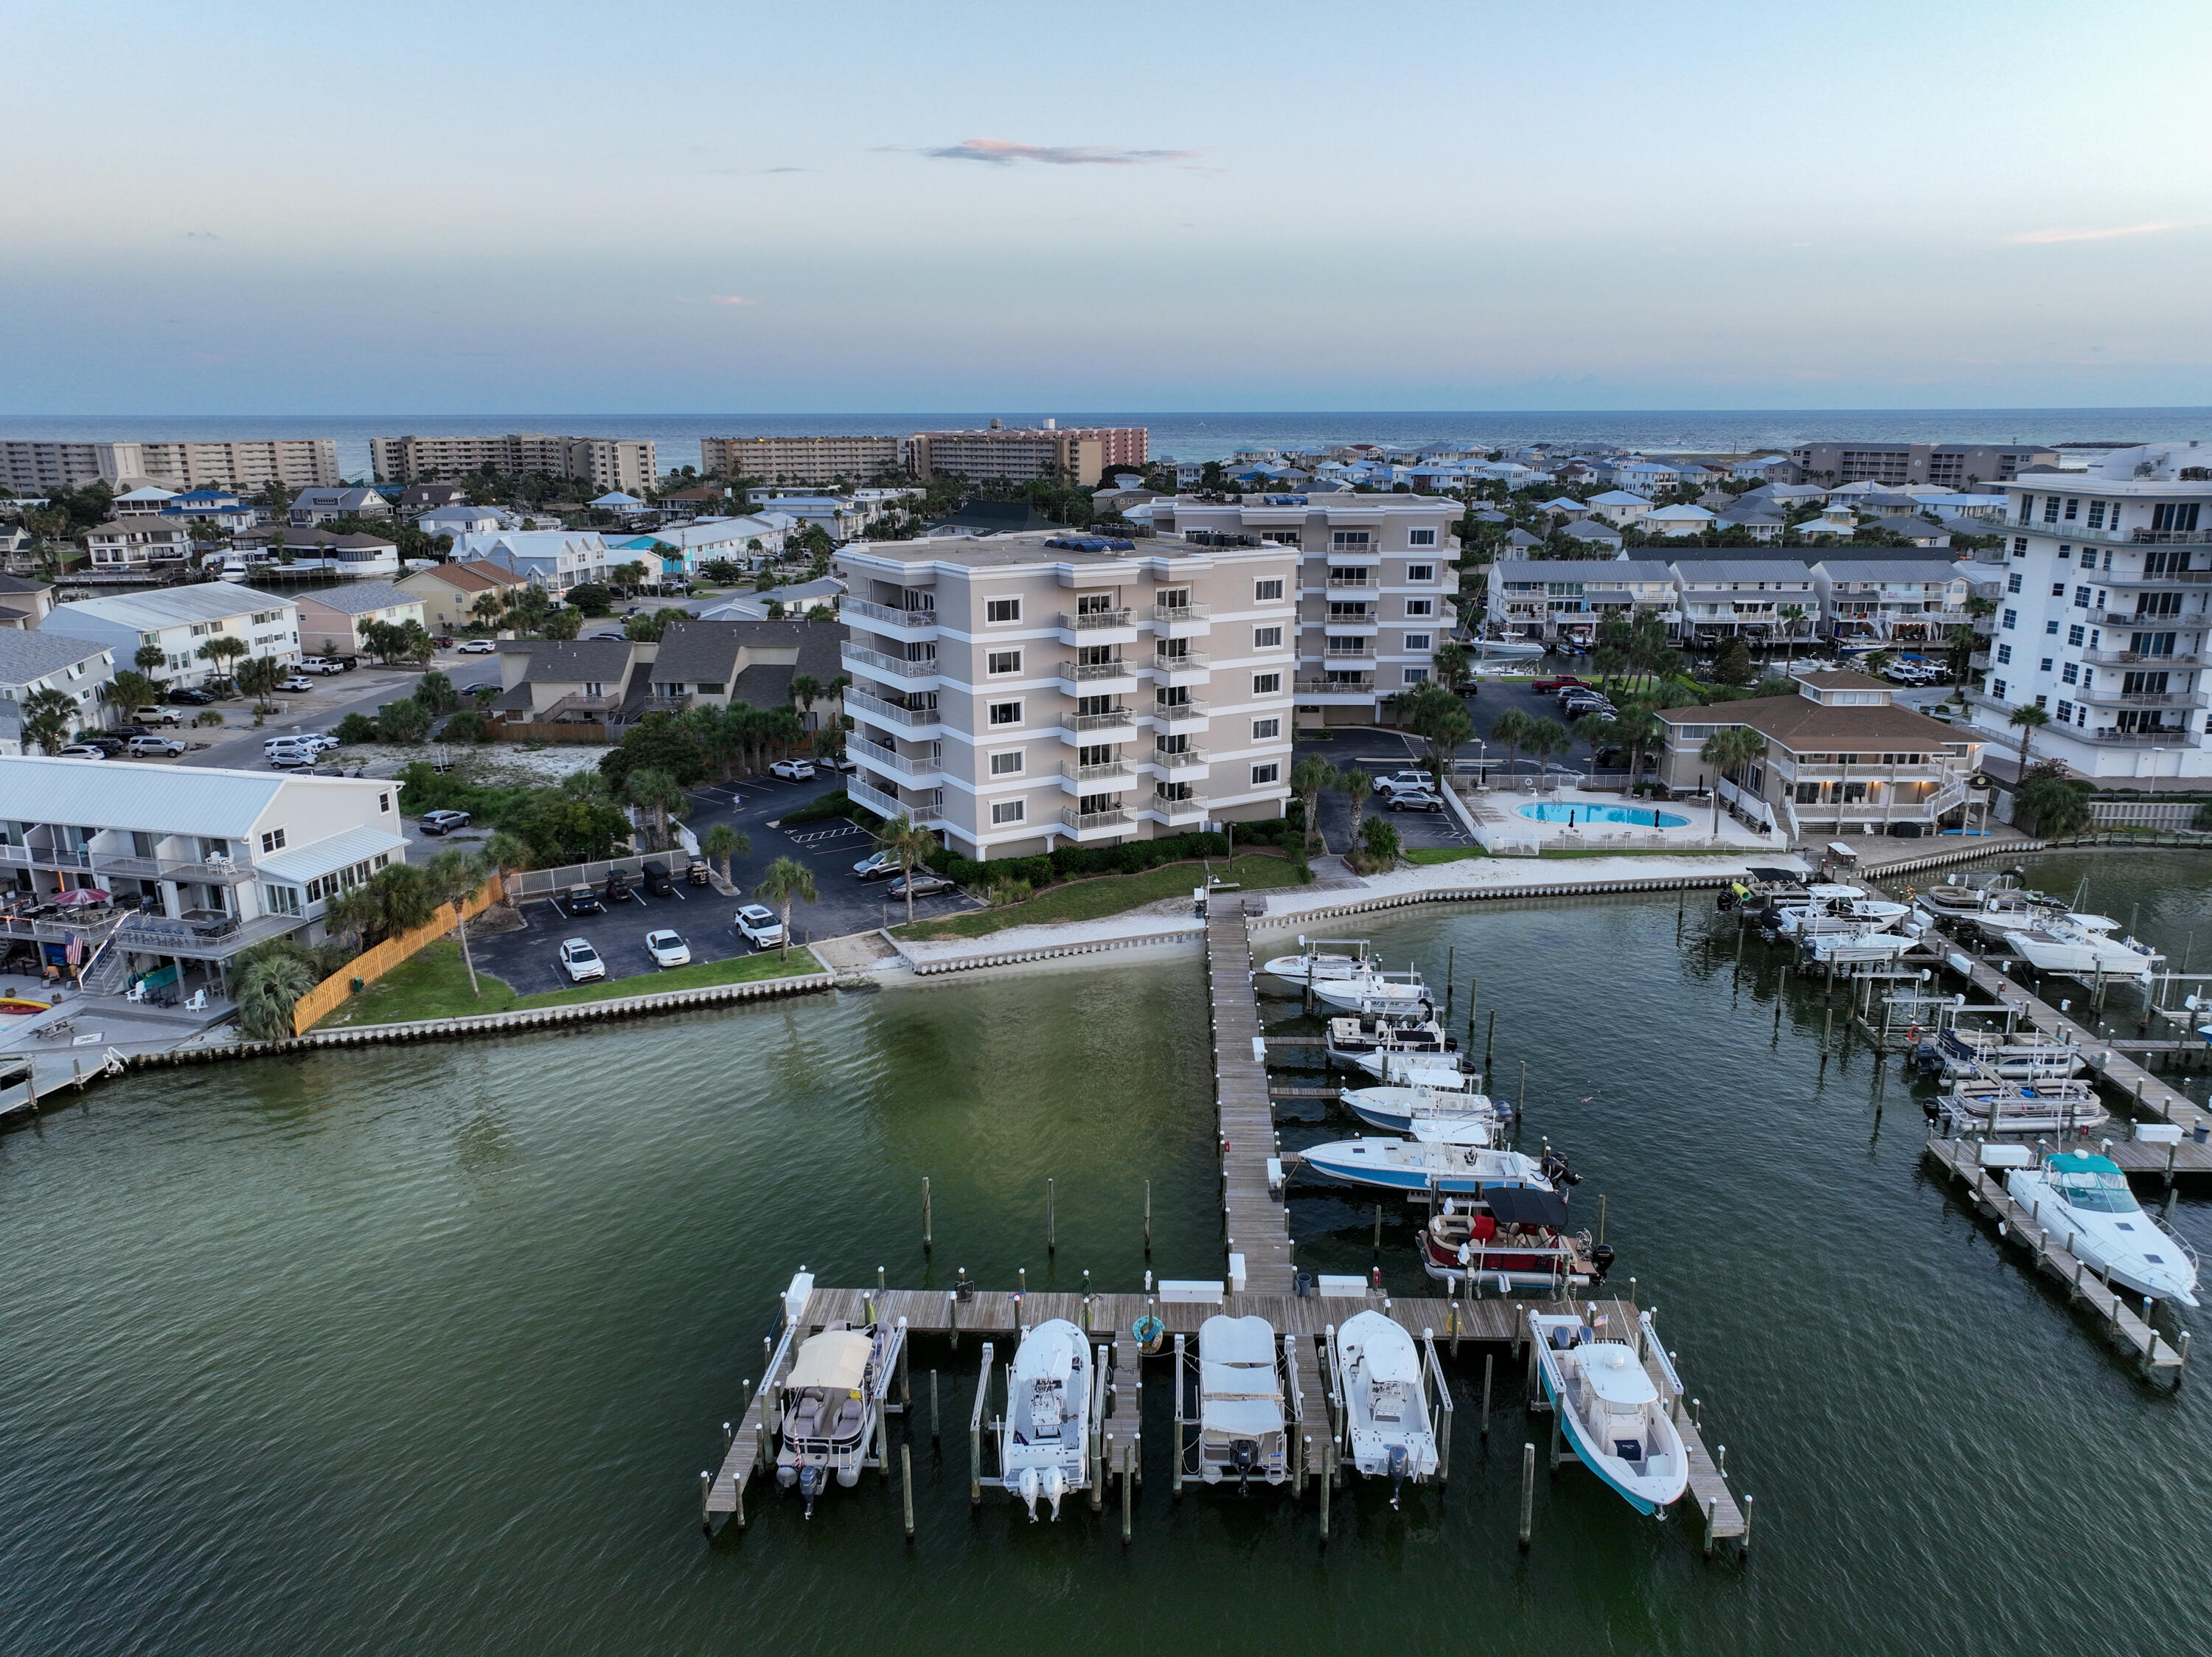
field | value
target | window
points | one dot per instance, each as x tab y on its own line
1420	641
2045	665
2080	597
280	900
1003	662
2073	506
273	841
1005	713
2058	590
1267	592
1006	765
1266	684
1002	610
2072	674
2066	553
384	802
1350	540
2012	582
2051	508
1998	689
2051	628
2020	546
2011	619
1007	810
1415	607
2004	655
2072	633
1419	538
1417	675
1267	638
1267	730
2042	701
2173	519
1270	772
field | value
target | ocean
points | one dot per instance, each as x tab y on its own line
1213	436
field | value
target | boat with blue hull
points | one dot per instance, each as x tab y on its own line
1428	1162
1610	1411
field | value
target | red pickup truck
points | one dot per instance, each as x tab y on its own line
1558	682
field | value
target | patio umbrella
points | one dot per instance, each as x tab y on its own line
83	894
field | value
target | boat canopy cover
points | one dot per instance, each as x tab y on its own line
1386	1348
1047	1352
1773	876
1615	1376
1237	1340
1525	1205
835	1360
2082	1162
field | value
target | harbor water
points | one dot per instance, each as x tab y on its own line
422	1350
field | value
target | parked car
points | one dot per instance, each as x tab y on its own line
110	745
155	747
792	770
655	878
482	686
292	759
619	885
759	927
124	731
444	822
477	646
1413	800
157	715
667	949
1554	683
924	883
293	685
876	866
583	901
320	665
581	961
81	751
191	698
320	741
1405	779
605	636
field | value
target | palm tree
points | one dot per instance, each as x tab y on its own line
1729	749
259	677
911	844
1308	778
455	876
787	878
1453	662
654	791
2030	718
50	718
222	650
1511	727
721	842
1638	729
150	659
805	691
1791	615
1600	731
1546	737
267	984
1355	784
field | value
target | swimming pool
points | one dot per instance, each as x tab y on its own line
1551	811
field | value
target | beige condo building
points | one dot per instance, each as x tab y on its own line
1021	691
247	465
629	463
801	460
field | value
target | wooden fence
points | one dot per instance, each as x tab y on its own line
372	964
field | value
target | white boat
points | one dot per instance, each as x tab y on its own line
1320	958
1992	1104
1956	1052
2011	910
1389	995
1508	650
2085	1199
1396	1110
1052	1404
1243	1432
1431	1162
1837	909
1852	946
1395	1068
2083	946
1354	1040
1610	1410
1387	1429
829	1407
1511	1237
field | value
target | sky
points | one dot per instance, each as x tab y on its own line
241	207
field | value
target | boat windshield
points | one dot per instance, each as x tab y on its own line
2098	1193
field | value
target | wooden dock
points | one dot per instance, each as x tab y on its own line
2121	1321
1253	1218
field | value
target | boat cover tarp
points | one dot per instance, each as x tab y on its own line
836	1360
1525	1205
1387	1349
1224	1339
1047	1352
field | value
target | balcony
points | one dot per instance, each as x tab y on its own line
1184	668
863	704
913	624
1358	627
2075	533
2141	698
1180	713
1178	759
1190	808
1355	686
1091	621
224	871
2175	737
875	661
1353	558
913	768
46	856
1094	822
2170	578
2141	659
1096	675
1110	777
2140	622
1352	579
1098	728
1172	615
888	806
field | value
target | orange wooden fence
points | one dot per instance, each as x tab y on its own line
372	964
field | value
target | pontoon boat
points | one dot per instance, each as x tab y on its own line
1511	1237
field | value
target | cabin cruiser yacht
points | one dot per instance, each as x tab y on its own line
1511	1237
1243	1432
1388	1428
2085	1199
1610	1411
830	1406
2082	947
1052	1406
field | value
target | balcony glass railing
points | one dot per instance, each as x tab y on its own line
1087	620
1173	713
898	668
1083	822
888	805
1092	672
875	753
1174	613
1114	719
1115	772
1190	661
1178	759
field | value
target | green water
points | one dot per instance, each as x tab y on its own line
421	1350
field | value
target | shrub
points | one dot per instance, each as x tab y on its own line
358	727
824	806
212	717
436	692
1010	892
402	722
469	727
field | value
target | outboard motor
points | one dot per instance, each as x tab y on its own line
1055	1487
1601	1260
1556	1169
1397	1470
809	1485
1243	1455
1026	1487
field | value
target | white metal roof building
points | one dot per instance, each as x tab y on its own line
180	619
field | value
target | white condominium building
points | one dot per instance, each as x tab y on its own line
2102	617
630	464
1024	690
1375	580
244	464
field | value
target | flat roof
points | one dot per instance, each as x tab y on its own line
1031	546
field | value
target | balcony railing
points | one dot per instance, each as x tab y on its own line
861	609
1176	809
1357	578
2075	532
2109	738
1354	684
1174	612
1084	821
862	704
897	667
1115	772
46	856
1173	713
2141	659
1178	759
2169	578
226	871
1094	673
2141	698
1085	621
2137	621
888	806
889	758
1190	661
1114	719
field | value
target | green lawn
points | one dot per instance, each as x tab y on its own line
435	985
1444	854
1108	894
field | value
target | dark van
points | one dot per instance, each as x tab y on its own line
656	880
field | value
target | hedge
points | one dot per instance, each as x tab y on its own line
1134	857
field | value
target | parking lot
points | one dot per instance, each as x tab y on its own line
1378	754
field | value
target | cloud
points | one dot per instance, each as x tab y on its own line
2156	227
786	169
1000	152
730	299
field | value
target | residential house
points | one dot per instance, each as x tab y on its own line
418	498
1676	520
1918	530
1758	522
1647	479
716	663
795	601
553	559
837	517
34	662
1619	507
143	501
449	592
137	543
459	518
1841	757
354	553
682	549
1566	508
1916	600
1770	468
334	621
311	507
1722	599
1971	515
178	621
219	506
1558	600
1835	518
1594	533
24	604
202	863
579	684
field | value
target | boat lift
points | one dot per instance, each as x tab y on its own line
1436	1403
985	1426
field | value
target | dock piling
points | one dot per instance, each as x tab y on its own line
1328	1478
1528	1493
1490	1042
1148	1219
1128	1460
1743	1542
1521	1098
1105	1472
1712	1508
706	1490
1050	1245
905	1487
1488	1359
1378	1230
1600	1229
933	1407
925	1214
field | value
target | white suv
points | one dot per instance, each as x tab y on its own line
581	961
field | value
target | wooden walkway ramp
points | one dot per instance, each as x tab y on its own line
1254	1219
2122	1321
